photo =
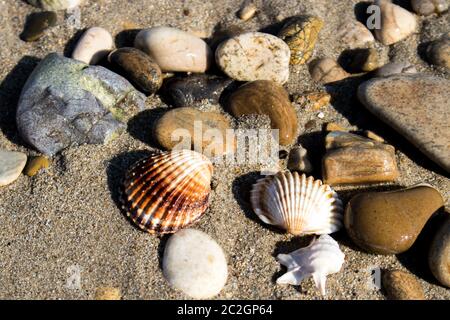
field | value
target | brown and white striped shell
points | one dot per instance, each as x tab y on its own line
169	191
298	204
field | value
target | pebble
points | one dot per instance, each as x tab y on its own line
401	285
56	4
267	98
300	34
36	164
11	166
389	222
36	25
326	71
392	68
438	51
137	67
354	34
331	126
364	60
372	135
396	23
427	7
439	256
95	44
175	50
247	11
403	102
254	56
181	124
188	91
313	100
66	103
195	264
299	161
107	293
352	159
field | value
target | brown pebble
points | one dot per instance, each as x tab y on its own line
401	285
332	126
313	100
247	11
326	71
107	293
35	165
267	98
372	135
390	222
311	124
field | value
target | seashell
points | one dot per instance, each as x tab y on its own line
169	191
321	258
300	34
297	204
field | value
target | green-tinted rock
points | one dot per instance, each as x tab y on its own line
36	25
389	222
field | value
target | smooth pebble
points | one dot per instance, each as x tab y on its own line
326	71
11	165
174	50
439	255
254	56
93	46
195	264
427	7
401	285
438	51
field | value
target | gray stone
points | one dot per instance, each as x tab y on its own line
395	68
11	165
66	102
195	264
417	106
427	7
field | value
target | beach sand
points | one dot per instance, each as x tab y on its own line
65	221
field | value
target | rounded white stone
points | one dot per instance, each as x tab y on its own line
254	56
56	4
354	34
195	264
396	23
11	166
174	50
93	46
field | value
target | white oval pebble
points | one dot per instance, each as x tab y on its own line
93	46
174	50
396	23
11	166
195	264
254	56
354	34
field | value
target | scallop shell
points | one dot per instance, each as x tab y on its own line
321	258
168	191
297	204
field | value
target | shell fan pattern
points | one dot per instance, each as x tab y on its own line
298	204
169	191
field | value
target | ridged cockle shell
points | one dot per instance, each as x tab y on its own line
169	191
297	204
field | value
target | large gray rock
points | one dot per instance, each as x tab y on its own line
417	106
66	102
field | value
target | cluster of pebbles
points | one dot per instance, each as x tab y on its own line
72	101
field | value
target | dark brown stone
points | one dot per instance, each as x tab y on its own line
137	67
36	25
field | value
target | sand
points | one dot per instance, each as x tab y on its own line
65	221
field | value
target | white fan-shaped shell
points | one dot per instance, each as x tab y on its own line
321	258
297	204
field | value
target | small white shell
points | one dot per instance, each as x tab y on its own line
321	258
297	204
